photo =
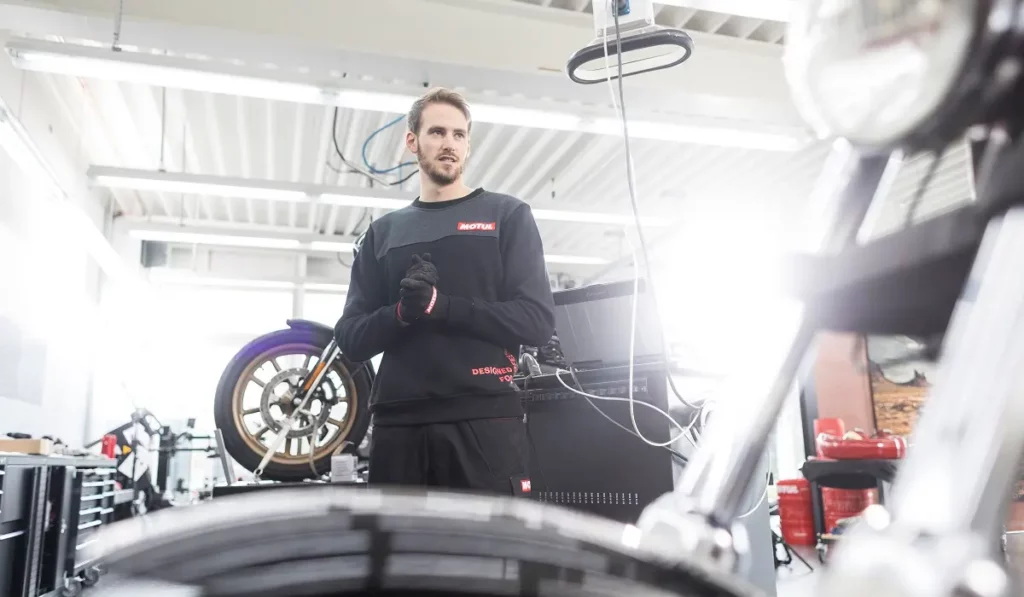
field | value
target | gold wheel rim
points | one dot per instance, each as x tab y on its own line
252	438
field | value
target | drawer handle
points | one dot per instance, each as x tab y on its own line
89	525
86	544
97	471
11	535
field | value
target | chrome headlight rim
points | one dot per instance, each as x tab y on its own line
979	85
996	25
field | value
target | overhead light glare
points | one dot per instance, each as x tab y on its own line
170	71
575	260
323	246
15	140
202	238
175	182
196	187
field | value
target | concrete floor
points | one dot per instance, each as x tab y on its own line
796	580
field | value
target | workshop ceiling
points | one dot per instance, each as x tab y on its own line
121	124
688	17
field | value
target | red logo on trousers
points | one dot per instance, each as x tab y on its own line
477	226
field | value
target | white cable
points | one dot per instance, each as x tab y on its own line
636	260
632	249
764	494
684	430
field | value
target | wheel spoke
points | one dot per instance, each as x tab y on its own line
251	411
288	446
335	422
305	365
258	381
277	367
261	432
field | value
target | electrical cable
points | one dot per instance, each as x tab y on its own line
589	397
356	169
764	494
679	455
620	109
407	177
366	144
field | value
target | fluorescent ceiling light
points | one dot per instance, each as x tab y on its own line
161	276
324	246
772	10
222	186
196	184
575	260
190	278
184	73
308	242
586	217
363	201
326	287
202	238
15	140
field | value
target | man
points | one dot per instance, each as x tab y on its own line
448	288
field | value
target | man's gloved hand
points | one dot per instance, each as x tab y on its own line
419	296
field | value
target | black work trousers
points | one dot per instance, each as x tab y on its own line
481	455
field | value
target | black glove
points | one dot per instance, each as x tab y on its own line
419	296
423	269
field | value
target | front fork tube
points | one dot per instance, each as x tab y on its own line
308	385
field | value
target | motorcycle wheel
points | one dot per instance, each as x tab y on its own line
258	391
337	541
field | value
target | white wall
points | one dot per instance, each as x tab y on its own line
48	283
180	338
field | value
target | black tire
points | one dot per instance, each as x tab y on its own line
90	576
234	441
340	541
73	589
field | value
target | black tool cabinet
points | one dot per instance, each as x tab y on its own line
50	510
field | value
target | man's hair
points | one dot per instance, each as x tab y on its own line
437	95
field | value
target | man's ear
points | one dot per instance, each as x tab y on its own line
411	143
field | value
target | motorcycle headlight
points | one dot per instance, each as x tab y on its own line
878	71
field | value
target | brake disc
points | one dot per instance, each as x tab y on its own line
287	402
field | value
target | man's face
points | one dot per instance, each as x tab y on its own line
442	143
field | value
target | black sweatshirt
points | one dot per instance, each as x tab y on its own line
490	263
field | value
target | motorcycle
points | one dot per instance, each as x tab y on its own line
887	79
289	400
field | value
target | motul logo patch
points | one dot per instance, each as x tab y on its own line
526	485
477	226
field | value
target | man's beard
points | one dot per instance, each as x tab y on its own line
437	175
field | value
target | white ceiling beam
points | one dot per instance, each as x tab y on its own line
185	277
325	35
282	240
271	144
242	122
529	188
216	146
258	237
508	151
771	10
184	73
298	139
376	198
